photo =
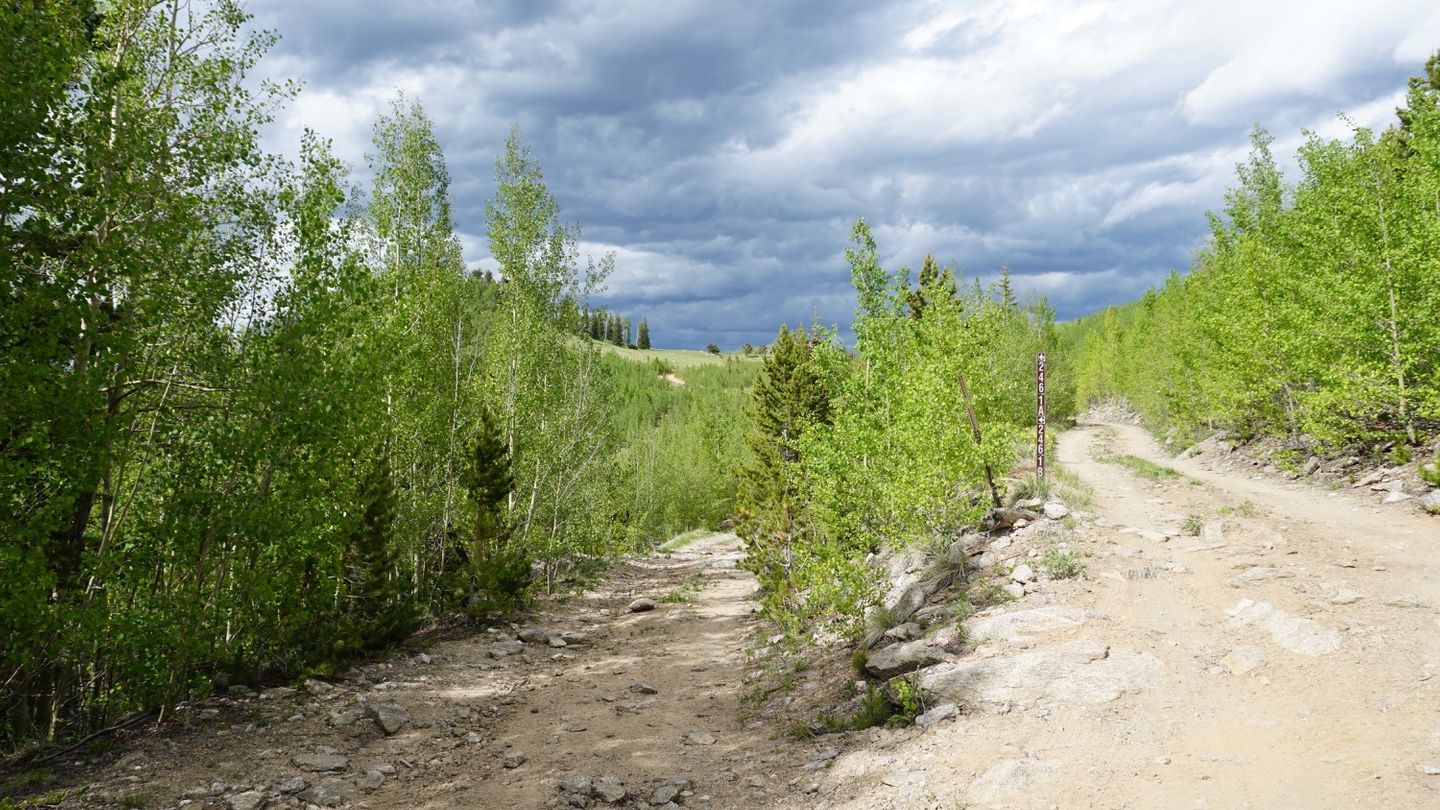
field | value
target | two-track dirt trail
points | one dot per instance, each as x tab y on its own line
1288	656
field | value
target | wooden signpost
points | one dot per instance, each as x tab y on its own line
1040	416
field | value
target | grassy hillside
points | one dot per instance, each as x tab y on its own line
677	358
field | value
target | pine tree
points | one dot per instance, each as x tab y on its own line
643	341
380	612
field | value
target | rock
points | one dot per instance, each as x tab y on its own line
315	686
389	717
1023	574
1012	626
501	649
1014	589
1243	659
238	691
514	761
664	795
1258	573
1396	497
1030	503
323	795
294	784
698	738
641	605
1311	465
1083	672
372	781
575	637
1345	596
575	784
423	659
249	800
1304	636
277	693
1430	502
643	689
579	800
320	762
898	659
556	642
608	789
534	635
1426	769
1005	518
1056	511
944	711
1004	780
1213	532
1408	600
903	632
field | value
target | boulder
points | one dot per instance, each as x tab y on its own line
501	649
1016	625
534	635
641	605
1055	511
1430	502
389	717
908	656
1077	672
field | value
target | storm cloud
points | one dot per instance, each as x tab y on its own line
723	150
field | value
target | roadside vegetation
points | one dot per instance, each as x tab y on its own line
1311	315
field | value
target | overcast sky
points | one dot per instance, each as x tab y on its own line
722	150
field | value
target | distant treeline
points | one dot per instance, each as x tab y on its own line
612	327
1313	314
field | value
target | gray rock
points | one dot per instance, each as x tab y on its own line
423	659
315	686
277	693
1258	573
389	717
908	656
514	761
1311	465
641	605
1005	518
575	784
1014	626
1081	672
1430	502
1345	596
557	642
1242	660
903	632
1213	532
1004	780
664	795
944	711
1304	636
249	800
579	800
1056	511
320	762
294	784
609	789
501	649
1023	574
372	781
643	689
698	738
1426	769
1396	497
323	795
534	635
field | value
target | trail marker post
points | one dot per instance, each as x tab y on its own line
1040	416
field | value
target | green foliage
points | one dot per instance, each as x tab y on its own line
245	400
856	452
1063	563
711	348
1192	524
1310	315
908	700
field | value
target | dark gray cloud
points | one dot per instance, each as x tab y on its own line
723	150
